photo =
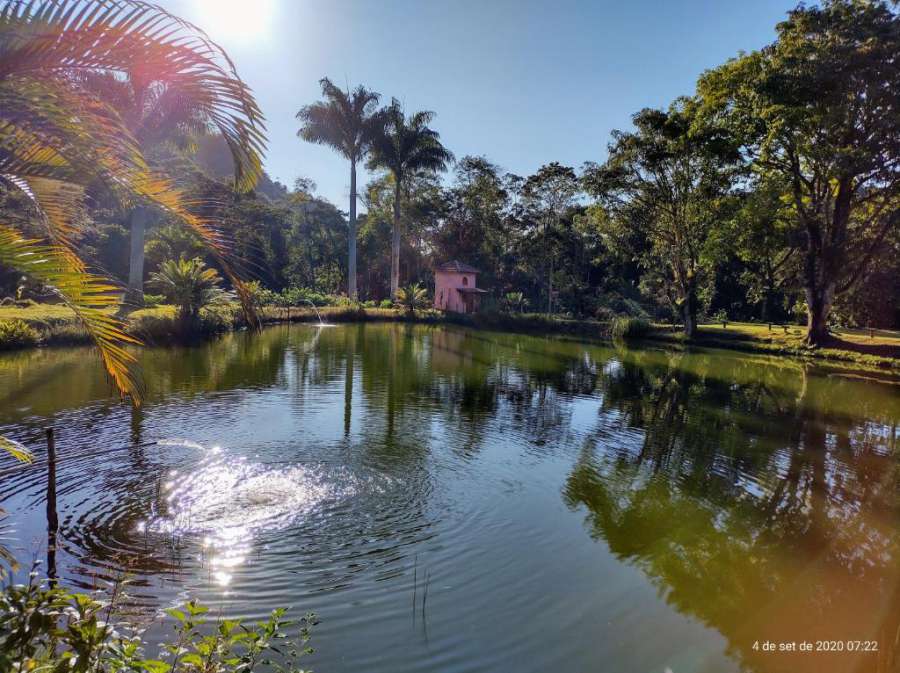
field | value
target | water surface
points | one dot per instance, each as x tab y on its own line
452	500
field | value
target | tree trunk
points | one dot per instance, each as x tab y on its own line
689	314
137	222
550	289
818	306
395	243
819	284
351	235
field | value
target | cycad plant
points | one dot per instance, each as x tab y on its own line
406	146
188	284
58	137
346	121
412	297
516	301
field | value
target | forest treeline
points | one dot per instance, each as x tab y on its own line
770	193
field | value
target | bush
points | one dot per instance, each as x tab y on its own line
68	333
302	296
369	303
261	295
386	303
17	334
49	629
629	328
151	300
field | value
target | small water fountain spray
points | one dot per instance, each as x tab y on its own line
322	323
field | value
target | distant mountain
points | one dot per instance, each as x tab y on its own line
214	158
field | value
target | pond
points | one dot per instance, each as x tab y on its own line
454	500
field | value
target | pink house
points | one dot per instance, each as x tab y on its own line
454	288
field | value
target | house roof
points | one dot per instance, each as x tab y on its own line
456	266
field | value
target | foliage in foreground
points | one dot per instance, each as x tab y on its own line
50	629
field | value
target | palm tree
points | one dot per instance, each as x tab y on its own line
58	136
412	297
406	146
158	113
189	284
346	121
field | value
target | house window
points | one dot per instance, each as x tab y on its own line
465	280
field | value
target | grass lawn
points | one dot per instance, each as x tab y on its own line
881	342
881	349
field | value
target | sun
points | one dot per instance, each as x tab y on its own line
235	19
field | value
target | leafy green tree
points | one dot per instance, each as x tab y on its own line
405	147
821	108
473	225
547	195
762	235
346	121
667	181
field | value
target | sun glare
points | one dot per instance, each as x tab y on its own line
235	19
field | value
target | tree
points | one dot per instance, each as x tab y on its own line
411	297
405	147
549	193
821	108
763	238
58	137
346	121
667	181
189	284
473	225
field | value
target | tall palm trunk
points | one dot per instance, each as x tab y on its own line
137	222
351	266
395	242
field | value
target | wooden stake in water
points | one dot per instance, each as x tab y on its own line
52	517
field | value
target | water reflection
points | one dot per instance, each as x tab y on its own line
727	499
756	503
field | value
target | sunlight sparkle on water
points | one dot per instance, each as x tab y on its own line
224	504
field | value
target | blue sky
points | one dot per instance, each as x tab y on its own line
520	82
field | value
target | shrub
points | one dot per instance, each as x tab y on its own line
369	303
189	284
629	328
50	629
412	297
261	295
302	296
151	300
17	334
515	301
67	333
386	303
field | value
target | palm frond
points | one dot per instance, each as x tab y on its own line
18	451
40	37
89	296
57	135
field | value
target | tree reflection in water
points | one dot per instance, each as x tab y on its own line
690	478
